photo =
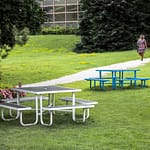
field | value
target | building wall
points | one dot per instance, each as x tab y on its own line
61	12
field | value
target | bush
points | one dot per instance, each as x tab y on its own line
4	51
59	30
7	93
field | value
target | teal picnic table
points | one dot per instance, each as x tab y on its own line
118	76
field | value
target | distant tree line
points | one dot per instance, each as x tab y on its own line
112	25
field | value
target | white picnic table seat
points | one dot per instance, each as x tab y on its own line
18	108
66	107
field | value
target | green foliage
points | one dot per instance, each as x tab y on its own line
21	37
31	16
21	14
4	51
59	30
143	15
108	25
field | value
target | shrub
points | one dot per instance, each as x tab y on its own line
59	30
9	94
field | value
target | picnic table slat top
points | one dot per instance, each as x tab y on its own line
45	89
118	70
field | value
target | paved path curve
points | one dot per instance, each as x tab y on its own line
90	73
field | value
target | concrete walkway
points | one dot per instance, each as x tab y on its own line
90	73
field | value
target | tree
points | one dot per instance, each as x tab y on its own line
110	25
18	14
143	16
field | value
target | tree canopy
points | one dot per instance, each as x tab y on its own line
18	14
112	25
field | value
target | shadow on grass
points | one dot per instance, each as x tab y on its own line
60	119
109	88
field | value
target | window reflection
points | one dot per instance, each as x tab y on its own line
71	16
59	9
71	8
48	2
61	12
71	1
59	17
48	9
59	1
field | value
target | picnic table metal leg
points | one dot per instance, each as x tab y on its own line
135	78
90	84
143	83
41	114
113	83
53	99
10	111
36	115
18	102
41	111
94	83
84	115
113	80
9	119
135	83
121	78
53	102
49	99
73	103
36	109
87	113
101	83
121	83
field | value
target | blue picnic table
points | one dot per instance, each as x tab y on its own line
117	76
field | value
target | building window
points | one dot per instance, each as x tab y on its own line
61	12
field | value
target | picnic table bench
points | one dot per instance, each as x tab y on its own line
66	107
79	101
18	108
100	80
142	79
11	104
23	99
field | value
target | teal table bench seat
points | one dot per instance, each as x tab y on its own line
100	80
133	81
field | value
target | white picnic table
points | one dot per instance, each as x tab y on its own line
39	91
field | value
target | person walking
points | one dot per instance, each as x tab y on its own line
141	46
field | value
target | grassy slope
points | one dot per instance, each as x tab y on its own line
120	121
49	57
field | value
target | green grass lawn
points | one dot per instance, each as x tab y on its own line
120	121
